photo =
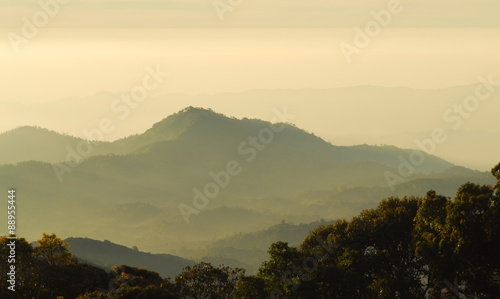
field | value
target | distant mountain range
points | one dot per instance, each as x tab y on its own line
130	191
249	250
460	148
344	116
106	254
242	250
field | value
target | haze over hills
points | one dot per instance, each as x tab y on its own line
34	143
458	148
130	191
344	116
250	249
106	254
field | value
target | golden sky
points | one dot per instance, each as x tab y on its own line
86	46
62	63
254	13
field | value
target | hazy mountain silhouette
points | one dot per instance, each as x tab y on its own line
107	254
33	143
130	190
330	113
250	249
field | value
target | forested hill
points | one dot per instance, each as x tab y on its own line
283	173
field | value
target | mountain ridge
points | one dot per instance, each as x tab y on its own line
177	125
107	254
295	176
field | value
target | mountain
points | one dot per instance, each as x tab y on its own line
458	148
136	190
355	103
107	254
358	110
34	143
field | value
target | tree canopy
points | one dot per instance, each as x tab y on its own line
430	247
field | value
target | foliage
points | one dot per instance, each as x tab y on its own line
429	247
48	270
203	281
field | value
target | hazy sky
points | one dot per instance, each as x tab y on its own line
80	62
255	13
88	46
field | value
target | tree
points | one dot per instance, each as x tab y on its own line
473	225
24	268
203	281
70	281
132	283
58	273
431	243
52	250
134	277
496	173
250	287
283	271
48	271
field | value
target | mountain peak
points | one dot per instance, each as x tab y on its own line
171	127
25	129
184	119
192	109
197	111
34	132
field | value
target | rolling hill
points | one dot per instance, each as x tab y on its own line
107	254
130	191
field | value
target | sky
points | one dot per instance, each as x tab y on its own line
62	63
254	13
81	47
